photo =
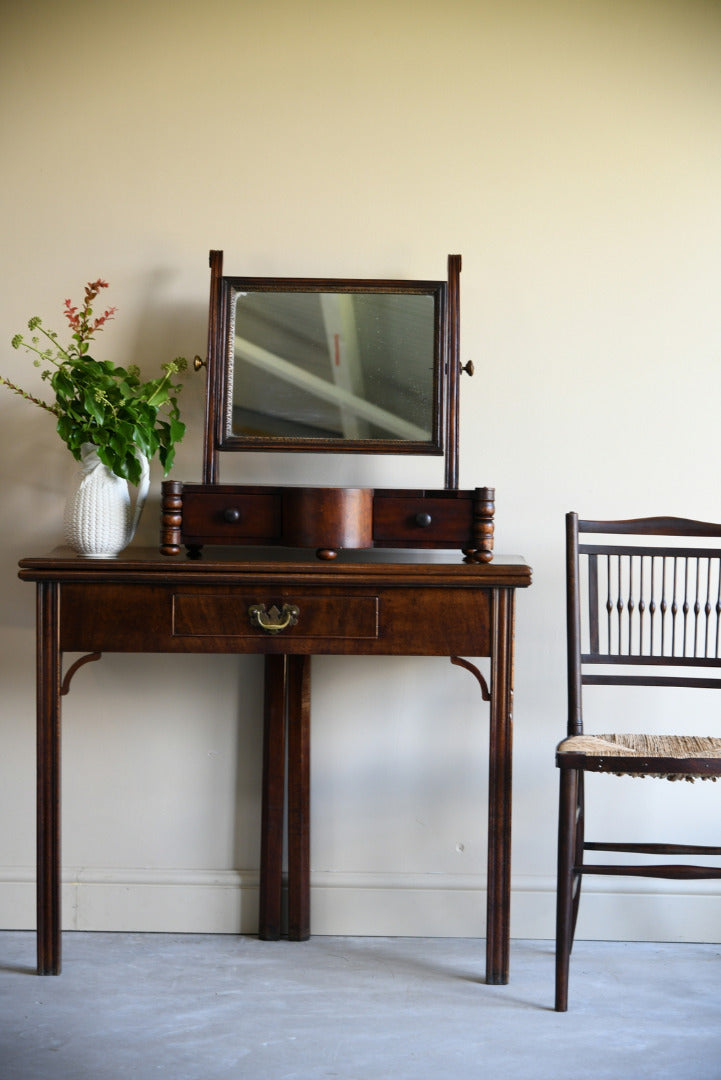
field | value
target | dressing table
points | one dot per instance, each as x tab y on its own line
289	573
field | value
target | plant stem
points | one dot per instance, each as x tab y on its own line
54	342
159	388
29	397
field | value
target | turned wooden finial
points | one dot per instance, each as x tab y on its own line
484	507
171	517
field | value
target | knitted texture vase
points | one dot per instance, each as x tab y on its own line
100	519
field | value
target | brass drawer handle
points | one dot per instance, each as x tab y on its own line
274	620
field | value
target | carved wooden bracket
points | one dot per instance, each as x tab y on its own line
78	664
460	662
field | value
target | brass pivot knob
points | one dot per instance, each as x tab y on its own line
468	368
199	363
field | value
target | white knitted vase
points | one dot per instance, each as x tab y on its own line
99	518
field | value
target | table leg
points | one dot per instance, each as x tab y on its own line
271	840
499	790
298	798
48	780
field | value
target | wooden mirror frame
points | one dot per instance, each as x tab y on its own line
328	519
444	438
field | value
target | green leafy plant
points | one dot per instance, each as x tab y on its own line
96	401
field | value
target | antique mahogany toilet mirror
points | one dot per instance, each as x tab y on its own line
333	366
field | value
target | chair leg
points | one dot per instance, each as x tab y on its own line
565	917
578	852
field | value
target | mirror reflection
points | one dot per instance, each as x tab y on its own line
346	365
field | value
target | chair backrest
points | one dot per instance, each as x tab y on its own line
647	603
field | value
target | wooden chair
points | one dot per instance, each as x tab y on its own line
641	610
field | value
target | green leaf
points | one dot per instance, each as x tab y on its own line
177	430
142	440
94	407
167	457
131	468
62	383
107	456
64	427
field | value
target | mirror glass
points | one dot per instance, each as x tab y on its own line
349	364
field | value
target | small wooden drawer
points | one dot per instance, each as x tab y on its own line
210	614
231	517
423	520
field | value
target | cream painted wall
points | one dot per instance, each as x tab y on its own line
572	153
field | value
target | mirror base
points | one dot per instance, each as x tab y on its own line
326	519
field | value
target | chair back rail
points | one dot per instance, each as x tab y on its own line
641	605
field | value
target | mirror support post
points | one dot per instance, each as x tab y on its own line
454	370
214	371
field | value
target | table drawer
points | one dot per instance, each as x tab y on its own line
258	616
409	621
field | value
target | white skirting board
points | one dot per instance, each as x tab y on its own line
424	905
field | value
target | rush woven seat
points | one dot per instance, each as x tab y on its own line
643	609
684	757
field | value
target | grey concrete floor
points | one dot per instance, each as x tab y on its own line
195	1007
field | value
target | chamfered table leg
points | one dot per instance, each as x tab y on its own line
499	790
298	798
271	840
48	780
